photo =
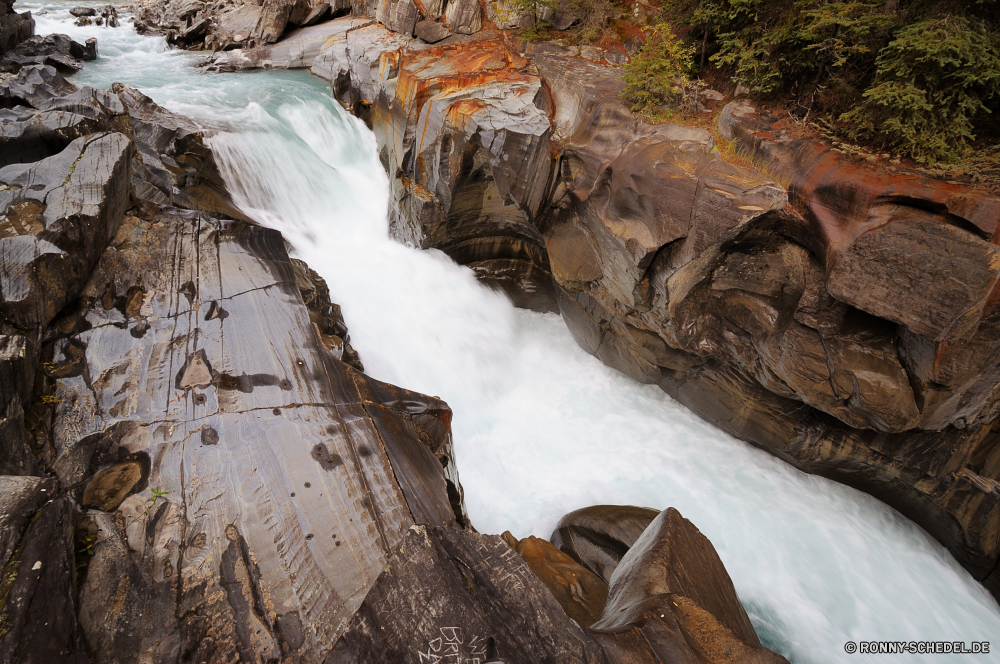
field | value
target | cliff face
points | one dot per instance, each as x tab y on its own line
839	317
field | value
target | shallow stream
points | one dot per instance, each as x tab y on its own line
540	427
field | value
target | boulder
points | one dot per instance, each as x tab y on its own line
431	31
58	51
14	27
464	17
673	571
398	15
374	451
598	537
83	11
446	592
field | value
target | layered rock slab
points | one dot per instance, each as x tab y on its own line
237	437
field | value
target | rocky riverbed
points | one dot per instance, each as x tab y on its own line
197	469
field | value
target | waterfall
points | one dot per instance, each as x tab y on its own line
540	427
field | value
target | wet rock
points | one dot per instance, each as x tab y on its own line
324	314
58	51
464	17
83	11
176	166
449	592
673	557
372	449
431	31
453	592
598	537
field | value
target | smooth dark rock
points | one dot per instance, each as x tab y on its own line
14	27
17	364
347	463
579	591
598	537
445	592
83	11
59	51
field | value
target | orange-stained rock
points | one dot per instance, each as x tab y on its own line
580	592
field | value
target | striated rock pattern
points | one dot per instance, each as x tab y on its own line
847	332
464	17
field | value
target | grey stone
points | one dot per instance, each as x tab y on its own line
431	31
464	17
398	15
59	215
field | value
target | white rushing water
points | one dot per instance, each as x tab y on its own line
541	428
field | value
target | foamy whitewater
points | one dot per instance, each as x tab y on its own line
540	427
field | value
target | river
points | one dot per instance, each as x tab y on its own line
540	427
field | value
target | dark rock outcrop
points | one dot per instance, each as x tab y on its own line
581	593
673	588
38	622
598	537
193	404
58	51
14	27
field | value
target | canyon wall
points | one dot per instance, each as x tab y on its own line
193	465
839	315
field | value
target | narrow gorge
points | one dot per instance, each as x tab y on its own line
229	289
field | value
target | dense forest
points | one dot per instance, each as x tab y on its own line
917	78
